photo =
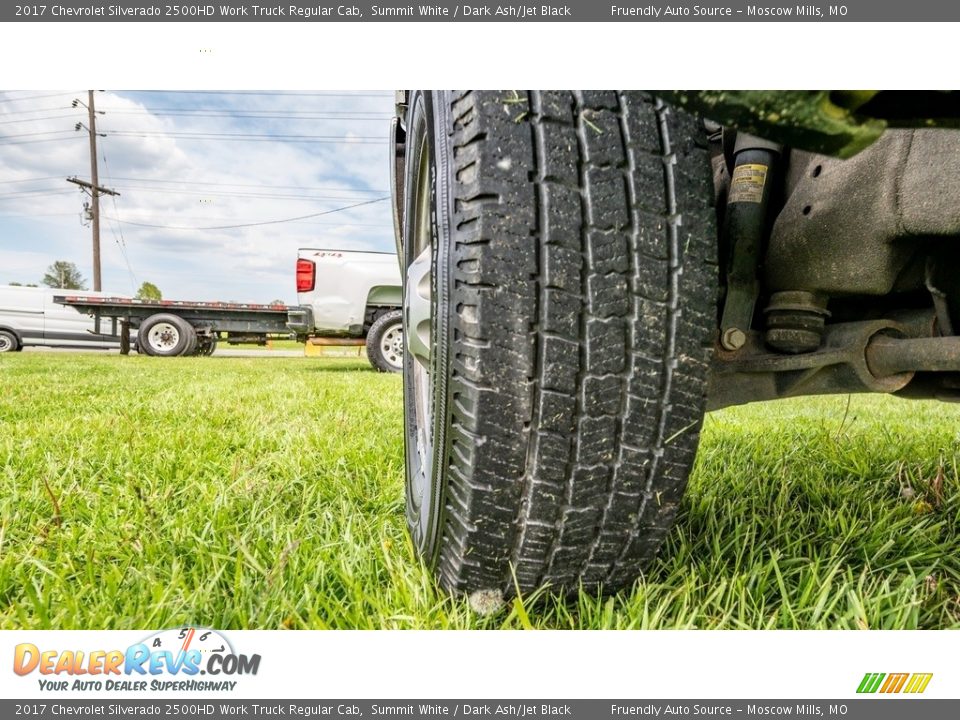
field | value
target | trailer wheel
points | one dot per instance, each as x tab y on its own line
165	335
207	345
8	342
560	301
385	342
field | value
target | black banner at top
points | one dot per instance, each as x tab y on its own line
480	11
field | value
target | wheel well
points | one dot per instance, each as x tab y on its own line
373	312
12	332
384	296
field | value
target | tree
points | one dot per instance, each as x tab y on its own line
16	284
63	274
149	291
277	302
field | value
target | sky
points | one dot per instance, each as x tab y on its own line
184	163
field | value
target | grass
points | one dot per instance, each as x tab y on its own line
252	493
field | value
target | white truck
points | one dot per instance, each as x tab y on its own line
346	297
351	296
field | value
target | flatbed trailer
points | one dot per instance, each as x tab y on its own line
179	327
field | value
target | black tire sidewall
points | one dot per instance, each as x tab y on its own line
187	344
380	327
210	347
14	341
425	515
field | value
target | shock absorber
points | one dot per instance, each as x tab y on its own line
755	164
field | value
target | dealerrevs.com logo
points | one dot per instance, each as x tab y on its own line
170	660
889	683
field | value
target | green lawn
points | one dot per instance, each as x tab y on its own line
267	493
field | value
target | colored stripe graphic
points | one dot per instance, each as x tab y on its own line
894	683
870	682
918	682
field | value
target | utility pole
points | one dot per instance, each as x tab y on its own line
95	191
94	186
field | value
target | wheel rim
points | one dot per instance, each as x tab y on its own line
391	345
163	337
6	344
418	316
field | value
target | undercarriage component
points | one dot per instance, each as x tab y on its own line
884	356
838	123
239	338
815	120
839	366
863	226
744	229
890	356
795	321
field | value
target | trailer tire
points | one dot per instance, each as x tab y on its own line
207	346
165	335
560	305
385	342
9	342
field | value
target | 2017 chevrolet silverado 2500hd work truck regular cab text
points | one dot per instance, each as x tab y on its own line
587	273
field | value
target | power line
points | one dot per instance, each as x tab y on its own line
264	93
26	180
244	139
220	193
122	242
36	215
356	140
30	120
34	97
256	224
200	135
271	136
201	193
4	198
31	142
257	114
241	219
35	110
235	108
35	191
33	134
249	185
123	252
383	226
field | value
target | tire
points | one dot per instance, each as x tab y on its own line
8	342
385	342
560	255
165	335
207	346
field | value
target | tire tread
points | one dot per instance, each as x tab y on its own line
579	368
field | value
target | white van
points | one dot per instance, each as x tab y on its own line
29	316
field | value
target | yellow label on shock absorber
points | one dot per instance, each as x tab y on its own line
747	183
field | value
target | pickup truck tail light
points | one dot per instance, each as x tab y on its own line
306	275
